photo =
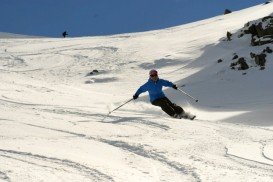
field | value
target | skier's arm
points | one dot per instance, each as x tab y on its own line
140	91
167	83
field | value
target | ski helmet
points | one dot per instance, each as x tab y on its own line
153	72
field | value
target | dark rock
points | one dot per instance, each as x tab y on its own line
233	64
241	35
235	57
251	30
252	55
255	41
267	2
227	11
244	74
247	24
265	40
243	64
267	31
229	36
262	68
259	29
219	61
93	72
260	59
267	50
266	18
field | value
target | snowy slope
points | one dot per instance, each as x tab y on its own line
4	35
52	108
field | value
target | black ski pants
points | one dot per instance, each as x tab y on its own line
167	106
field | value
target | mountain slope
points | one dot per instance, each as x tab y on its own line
4	35
53	106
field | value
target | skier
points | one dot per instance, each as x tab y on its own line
65	34
157	97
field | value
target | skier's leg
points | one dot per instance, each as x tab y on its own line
179	110
176	108
165	106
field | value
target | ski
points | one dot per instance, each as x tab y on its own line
185	115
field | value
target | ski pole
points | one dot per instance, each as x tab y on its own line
120	106
187	94
117	108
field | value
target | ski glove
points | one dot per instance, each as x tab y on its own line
175	87
135	97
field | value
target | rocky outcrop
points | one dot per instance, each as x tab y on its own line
235	57
92	72
240	64
261	31
219	61
227	11
259	59
267	50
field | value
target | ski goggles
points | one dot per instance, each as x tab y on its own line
153	75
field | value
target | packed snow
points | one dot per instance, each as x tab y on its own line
55	95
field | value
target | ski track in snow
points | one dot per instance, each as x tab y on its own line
249	160
263	148
4	177
137	150
41	161
251	163
77	112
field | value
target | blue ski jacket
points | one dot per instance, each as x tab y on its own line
154	88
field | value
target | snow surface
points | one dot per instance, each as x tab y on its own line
52	118
4	35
